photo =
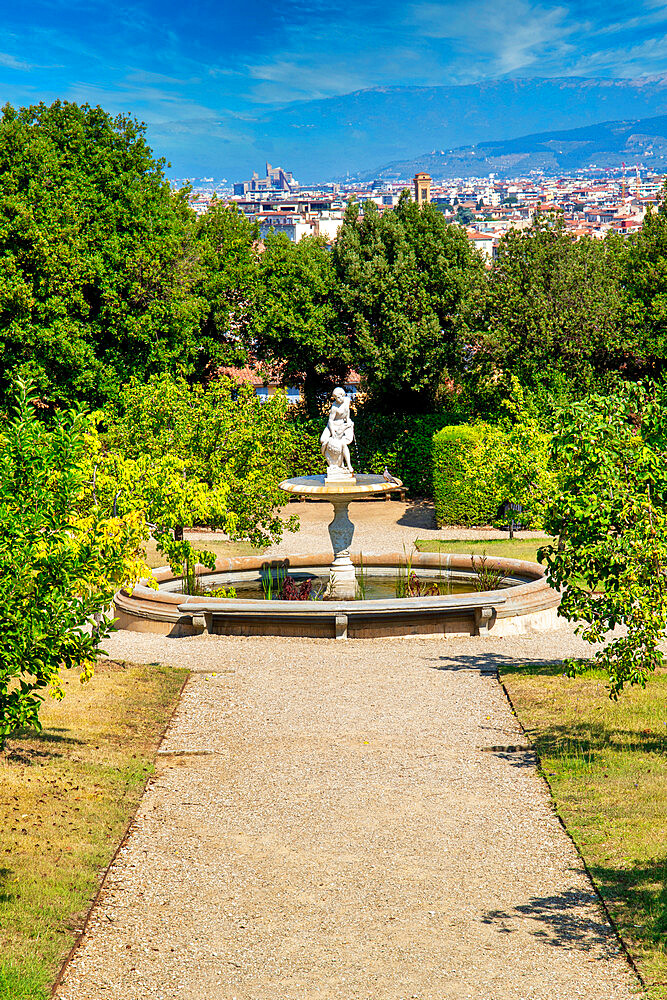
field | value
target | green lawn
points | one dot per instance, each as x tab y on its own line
606	764
516	548
66	797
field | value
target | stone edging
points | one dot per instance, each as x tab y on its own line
526	607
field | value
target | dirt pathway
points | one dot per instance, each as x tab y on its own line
345	820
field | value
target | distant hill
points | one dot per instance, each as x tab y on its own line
608	144
322	139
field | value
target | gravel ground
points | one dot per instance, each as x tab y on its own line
380	526
346	820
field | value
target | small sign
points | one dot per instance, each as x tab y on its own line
508	507
508	512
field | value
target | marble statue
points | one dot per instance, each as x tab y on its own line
337	437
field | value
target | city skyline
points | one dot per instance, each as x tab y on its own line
209	81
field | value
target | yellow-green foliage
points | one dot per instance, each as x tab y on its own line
477	467
60	559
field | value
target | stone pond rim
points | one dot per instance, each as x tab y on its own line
529	606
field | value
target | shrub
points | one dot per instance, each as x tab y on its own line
402	443
462	492
59	567
305	455
476	467
190	455
610	518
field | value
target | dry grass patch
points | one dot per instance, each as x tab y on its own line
606	763
226	550
66	796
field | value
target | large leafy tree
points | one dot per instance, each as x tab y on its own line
553	309
294	323
97	254
610	519
226	246
403	278
646	290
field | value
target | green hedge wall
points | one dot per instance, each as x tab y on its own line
402	443
477	466
462	498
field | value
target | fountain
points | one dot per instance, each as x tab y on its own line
340	487
523	602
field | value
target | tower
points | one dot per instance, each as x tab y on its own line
422	183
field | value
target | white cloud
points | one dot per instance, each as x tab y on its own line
11	62
500	36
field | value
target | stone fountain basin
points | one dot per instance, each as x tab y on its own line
363	486
528	605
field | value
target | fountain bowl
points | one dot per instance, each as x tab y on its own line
527	604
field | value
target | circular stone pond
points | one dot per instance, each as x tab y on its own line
441	597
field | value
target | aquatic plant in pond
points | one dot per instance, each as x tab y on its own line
417	587
293	591
361	580
403	573
485	578
272	584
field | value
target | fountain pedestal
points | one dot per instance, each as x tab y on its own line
342	580
340	493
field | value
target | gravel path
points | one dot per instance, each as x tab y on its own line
346	820
380	526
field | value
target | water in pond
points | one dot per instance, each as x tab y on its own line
372	588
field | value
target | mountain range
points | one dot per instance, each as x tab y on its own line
608	144
322	139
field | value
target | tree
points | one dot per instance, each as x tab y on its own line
553	310
227	275
645	342
59	565
186	455
98	255
464	215
402	282
294	324
611	522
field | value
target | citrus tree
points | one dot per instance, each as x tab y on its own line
59	564
610	519
195	455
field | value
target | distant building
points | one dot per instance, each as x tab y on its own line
276	179
422	185
267	381
295	225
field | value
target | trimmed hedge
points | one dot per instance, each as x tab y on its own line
462	498
476	467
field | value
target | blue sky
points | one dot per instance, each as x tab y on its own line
202	76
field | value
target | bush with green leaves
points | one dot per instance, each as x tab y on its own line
59	565
610	518
476	467
461	498
402	443
195	455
